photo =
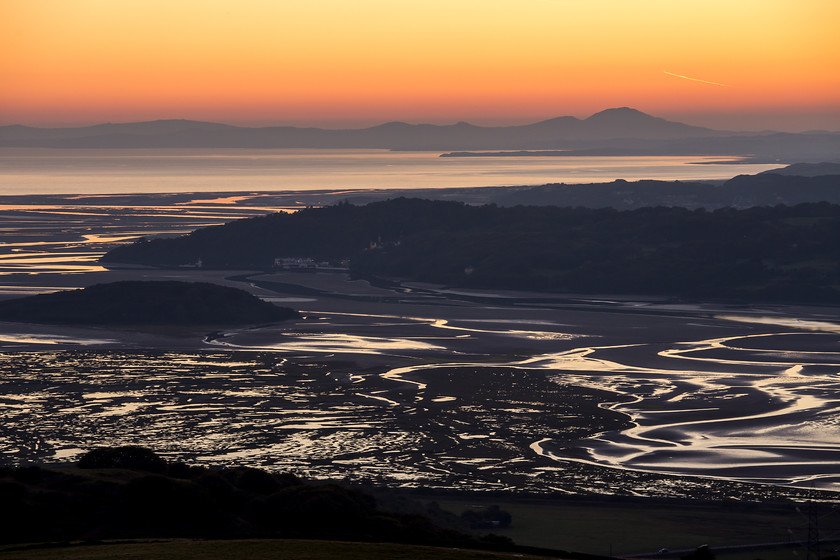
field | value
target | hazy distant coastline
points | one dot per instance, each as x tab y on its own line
793	184
606	152
619	131
50	171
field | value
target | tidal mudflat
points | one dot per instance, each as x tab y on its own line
413	384
416	385
66	235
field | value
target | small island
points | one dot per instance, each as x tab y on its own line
145	303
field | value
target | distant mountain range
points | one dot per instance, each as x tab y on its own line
620	131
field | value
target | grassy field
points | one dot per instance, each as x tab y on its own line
606	528
636	527
250	549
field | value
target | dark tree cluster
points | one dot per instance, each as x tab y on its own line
130	492
779	253
136	302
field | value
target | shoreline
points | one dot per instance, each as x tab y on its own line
326	173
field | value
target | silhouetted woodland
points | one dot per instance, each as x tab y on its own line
779	253
136	302
130	492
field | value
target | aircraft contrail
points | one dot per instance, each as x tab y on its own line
694	79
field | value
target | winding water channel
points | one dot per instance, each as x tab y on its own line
419	385
756	407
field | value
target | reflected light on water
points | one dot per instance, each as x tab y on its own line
748	407
763	421
823	326
333	343
53	340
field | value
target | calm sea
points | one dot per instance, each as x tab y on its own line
47	171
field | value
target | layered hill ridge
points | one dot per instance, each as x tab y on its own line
621	122
621	131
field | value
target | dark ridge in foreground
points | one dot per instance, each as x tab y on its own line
131	492
254	549
152	303
758	254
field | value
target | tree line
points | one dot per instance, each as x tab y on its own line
780	253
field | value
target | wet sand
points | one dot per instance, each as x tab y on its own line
652	387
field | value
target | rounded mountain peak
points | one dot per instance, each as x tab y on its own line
620	114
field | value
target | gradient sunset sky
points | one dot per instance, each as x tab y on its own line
733	64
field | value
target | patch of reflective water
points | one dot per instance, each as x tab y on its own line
757	407
752	416
332	343
53	340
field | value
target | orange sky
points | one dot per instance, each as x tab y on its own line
745	63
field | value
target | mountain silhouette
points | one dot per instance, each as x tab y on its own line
552	133
632	123
612	132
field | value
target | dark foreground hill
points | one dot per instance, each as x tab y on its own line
131	492
780	253
252	549
158	303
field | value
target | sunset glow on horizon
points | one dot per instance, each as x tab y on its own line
341	64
